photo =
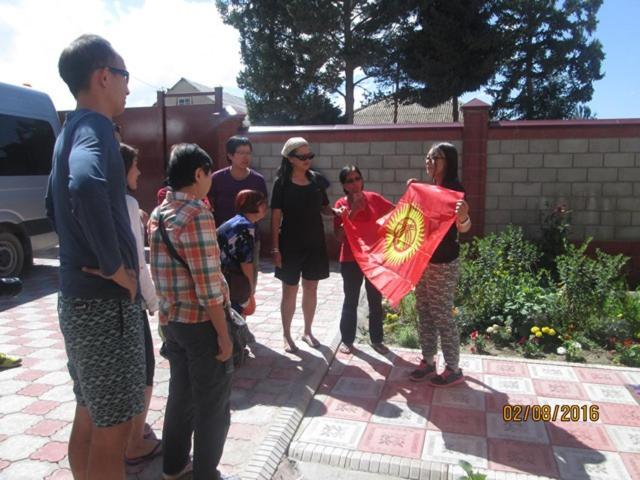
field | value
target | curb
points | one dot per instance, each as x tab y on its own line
273	448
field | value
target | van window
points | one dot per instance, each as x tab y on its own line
26	146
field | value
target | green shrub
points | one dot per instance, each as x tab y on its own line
629	355
586	287
407	336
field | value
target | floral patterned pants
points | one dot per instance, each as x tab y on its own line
434	303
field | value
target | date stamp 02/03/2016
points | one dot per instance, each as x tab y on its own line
550	413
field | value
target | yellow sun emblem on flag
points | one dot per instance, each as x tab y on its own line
405	234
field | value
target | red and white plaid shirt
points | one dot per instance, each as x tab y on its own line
191	229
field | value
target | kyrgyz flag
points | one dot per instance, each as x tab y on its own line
394	252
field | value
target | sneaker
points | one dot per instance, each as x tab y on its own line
423	372
9	362
187	469
447	378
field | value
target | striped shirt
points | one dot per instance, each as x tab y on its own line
191	229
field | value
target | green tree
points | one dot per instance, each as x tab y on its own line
552	58
281	66
309	48
453	49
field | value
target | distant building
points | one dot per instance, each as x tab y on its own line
382	112
187	87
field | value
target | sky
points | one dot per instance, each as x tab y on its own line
163	40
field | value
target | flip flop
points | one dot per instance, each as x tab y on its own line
155	452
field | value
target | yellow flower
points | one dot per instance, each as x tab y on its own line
551	332
545	329
534	329
538	334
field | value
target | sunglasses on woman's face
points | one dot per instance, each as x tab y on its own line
308	156
352	180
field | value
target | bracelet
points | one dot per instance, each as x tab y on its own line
275	250
467	220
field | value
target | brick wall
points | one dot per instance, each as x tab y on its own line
598	179
514	171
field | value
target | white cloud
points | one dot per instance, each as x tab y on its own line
160	41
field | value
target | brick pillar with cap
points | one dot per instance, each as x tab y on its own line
474	161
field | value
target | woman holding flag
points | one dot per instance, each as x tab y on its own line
362	207
436	288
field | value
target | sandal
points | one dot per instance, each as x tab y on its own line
380	347
155	452
347	348
311	341
290	347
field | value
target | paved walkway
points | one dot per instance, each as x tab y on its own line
268	396
365	415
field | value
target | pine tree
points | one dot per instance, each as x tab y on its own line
552	60
309	49
454	48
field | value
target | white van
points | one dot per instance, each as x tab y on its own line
29	125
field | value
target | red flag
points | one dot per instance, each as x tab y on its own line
394	252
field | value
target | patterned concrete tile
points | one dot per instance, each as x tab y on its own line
495	402
402	414
515	456
408	392
66	411
357	387
579	435
632	463
597	375
15	403
552	372
51	452
619	414
530	431
511	369
16	423
19	447
61	393
609	393
46	428
55	378
505	384
399	441
351	409
626	439
334	432
559	389
400	374
452	447
579	464
457	420
630	377
28	469
41	407
471	364
460	397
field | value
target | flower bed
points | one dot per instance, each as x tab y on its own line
538	299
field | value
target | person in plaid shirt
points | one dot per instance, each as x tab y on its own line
193	298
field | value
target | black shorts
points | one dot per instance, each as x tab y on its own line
311	264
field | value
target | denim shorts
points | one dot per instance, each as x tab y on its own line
105	347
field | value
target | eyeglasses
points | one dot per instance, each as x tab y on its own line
119	71
433	158
352	180
308	156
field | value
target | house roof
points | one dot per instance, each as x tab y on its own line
381	112
228	100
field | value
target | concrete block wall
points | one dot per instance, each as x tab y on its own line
385	166
598	179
